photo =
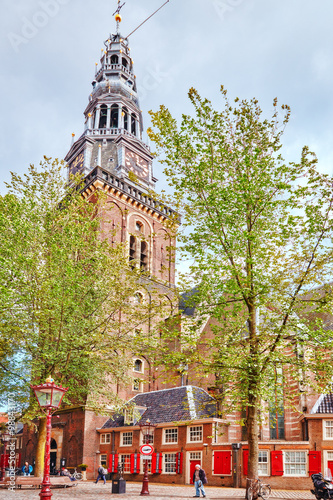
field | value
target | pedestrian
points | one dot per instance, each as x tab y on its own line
65	472
101	474
199	479
27	469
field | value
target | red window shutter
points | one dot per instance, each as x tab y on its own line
179	462
245	461
222	463
156	465
277	463
113	462
314	462
135	463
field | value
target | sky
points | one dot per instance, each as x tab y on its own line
255	48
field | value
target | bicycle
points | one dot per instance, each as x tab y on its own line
258	489
77	475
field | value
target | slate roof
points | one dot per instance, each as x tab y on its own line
324	404
170	405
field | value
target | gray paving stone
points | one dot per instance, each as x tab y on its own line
91	491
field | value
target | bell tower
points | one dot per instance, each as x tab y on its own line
112	138
112	157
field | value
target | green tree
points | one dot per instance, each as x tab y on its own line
67	306
259	233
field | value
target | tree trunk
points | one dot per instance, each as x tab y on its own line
40	451
253	441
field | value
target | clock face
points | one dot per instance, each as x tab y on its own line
77	164
137	164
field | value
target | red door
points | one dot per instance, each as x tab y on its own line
193	463
330	466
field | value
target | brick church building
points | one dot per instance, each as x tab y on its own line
114	159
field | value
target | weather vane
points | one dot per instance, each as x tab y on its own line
119	8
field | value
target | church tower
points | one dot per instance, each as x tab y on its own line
112	138
113	157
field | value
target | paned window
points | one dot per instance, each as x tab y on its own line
125	462
169	463
328	429
138	365
103	459
126	438
137	385
171	435
105	439
263	463
195	434
195	455
295	463
148	439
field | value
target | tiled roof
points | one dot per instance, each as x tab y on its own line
324	404
171	405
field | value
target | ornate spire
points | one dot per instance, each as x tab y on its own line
117	15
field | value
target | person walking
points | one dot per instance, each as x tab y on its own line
27	469
199	479
101	474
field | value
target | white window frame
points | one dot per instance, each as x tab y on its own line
101	459
267	462
142	365
189	440
122	435
165	455
325	437
305	463
105	438
151	440
140	389
174	430
121	455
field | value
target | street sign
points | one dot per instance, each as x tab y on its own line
147	449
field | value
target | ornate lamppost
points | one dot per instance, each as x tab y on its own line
49	398
5	437
147	429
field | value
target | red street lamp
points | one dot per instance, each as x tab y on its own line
49	398
147	429
5	437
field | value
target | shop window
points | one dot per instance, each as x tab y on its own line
170	436
194	434
126	438
169	463
263	463
295	463
105	439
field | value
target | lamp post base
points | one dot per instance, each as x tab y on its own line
45	493
145	481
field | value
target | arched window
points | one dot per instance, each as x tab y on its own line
132	250
138	298
103	116
144	256
125	115
53	444
139	226
114	116
133	124
114	59
138	365
124	62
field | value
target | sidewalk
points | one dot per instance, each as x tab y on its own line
91	491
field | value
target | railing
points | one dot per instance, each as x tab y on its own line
126	188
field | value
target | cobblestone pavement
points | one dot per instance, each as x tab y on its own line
91	491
